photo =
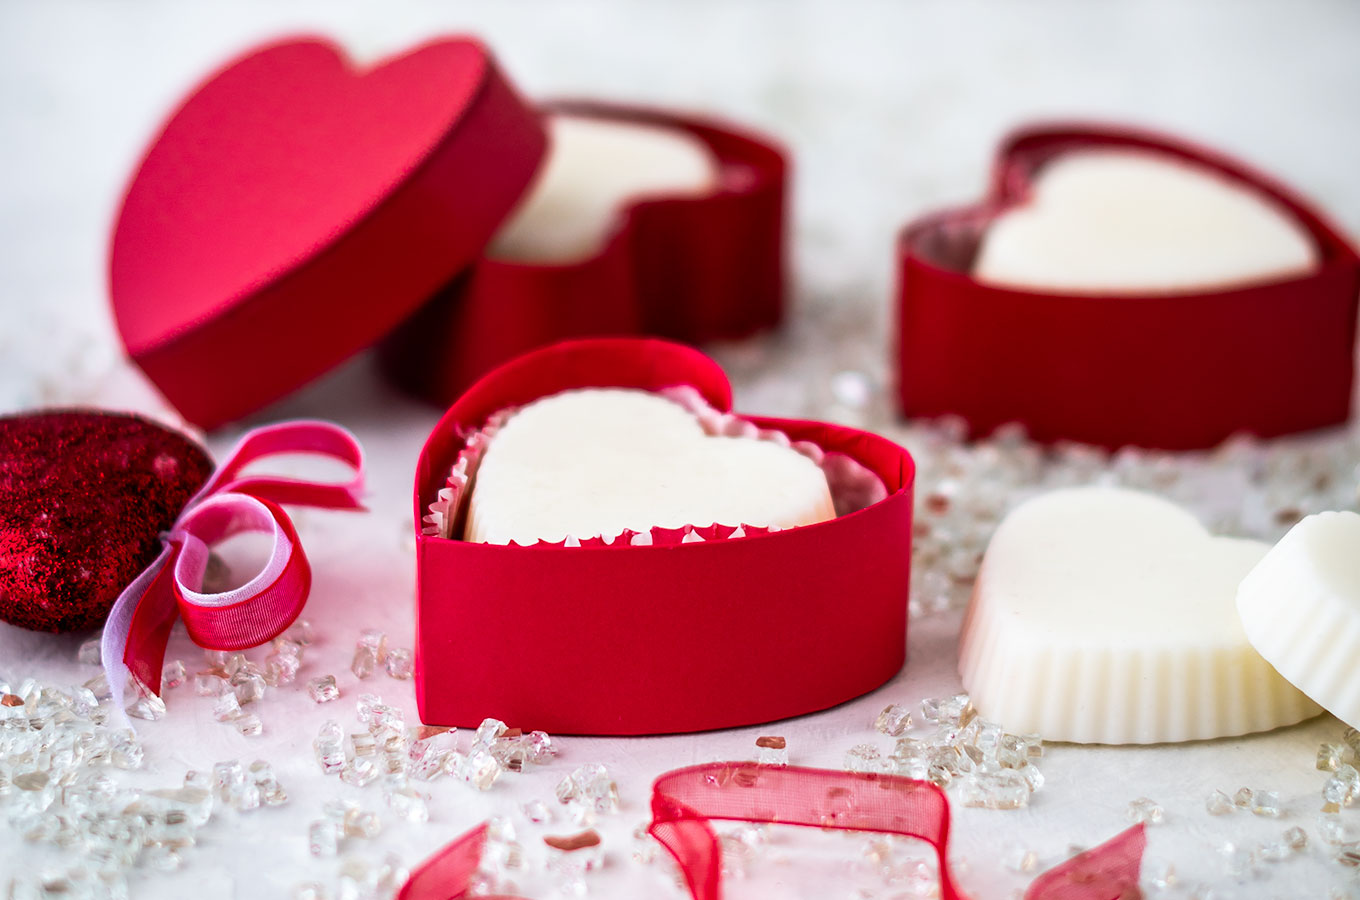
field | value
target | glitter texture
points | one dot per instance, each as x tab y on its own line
83	496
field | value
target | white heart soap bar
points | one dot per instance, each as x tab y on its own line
1130	221
1104	615
594	168
597	461
1300	608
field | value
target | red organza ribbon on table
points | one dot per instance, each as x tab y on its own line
685	801
139	624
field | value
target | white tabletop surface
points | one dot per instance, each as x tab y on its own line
890	108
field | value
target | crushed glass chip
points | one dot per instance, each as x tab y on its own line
1145	811
323	689
772	750
1219	804
399	664
893	721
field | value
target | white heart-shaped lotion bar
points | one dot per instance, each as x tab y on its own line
1300	608
1126	221
596	167
1104	615
598	461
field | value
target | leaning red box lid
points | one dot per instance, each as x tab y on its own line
296	207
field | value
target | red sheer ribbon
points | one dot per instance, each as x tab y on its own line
685	801
139	625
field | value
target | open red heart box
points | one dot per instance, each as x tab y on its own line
1175	371
692	268
664	638
296	209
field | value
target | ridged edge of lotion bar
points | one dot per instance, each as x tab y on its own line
1298	622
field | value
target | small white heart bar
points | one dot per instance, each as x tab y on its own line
1300	607
1104	615
595	168
1131	221
599	461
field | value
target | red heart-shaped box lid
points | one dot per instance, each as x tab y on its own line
1172	371
296	208
663	638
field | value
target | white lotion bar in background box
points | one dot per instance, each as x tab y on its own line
1300	607
1130	221
1108	616
594	169
596	461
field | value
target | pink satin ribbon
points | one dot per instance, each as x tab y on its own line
139	624
685	801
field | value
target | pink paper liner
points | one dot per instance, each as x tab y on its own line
853	486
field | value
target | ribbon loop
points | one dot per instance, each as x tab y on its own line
304	436
263	607
140	622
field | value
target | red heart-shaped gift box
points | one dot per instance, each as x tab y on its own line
691	268
1173	371
665	638
296	209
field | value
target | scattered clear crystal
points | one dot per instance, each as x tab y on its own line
1005	789
489	731
1219	803
227	707
88	652
1338	830
281	668
1019	858
173	674
1329	757
399	664
1266	803
772	750
329	747
894	720
408	804
1145	811
359	771
361	823
479	768
864	758
1159	875
249	725
145	705
1243	799
1296	839
323	689
323	838
537	811
209	684
364	663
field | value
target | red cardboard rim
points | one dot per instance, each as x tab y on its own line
692	268
1169	371
271	331
564	639
760	159
1023	151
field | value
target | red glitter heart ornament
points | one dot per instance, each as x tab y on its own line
84	495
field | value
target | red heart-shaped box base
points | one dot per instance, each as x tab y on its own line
657	639
1167	371
692	269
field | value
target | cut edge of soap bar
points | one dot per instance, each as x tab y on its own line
1116	694
1304	619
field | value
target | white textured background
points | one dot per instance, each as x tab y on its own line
890	108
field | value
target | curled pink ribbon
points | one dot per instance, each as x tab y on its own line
685	801
139	624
